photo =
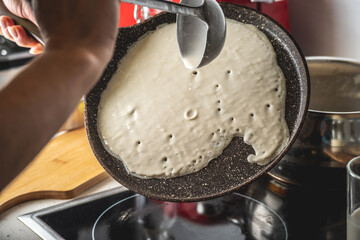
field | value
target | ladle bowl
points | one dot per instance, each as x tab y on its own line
201	28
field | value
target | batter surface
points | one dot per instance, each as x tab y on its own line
164	120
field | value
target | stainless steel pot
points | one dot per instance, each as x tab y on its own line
330	136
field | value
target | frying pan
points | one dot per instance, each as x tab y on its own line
231	170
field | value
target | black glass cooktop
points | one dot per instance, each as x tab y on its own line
258	212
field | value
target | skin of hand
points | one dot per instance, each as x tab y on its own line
80	38
17	33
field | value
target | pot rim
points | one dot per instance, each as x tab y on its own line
324	59
349	169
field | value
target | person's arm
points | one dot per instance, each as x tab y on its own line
37	102
35	105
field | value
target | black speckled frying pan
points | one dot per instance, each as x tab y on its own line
231	170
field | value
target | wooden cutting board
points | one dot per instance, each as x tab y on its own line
63	169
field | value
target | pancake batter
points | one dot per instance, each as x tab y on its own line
164	120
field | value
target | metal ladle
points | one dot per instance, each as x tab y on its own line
201	27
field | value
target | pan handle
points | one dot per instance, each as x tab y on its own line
32	29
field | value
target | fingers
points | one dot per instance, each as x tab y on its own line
22	39
18	34
37	48
6	22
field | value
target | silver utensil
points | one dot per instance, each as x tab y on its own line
201	28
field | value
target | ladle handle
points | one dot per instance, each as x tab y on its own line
168	6
26	24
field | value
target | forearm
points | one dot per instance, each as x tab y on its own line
37	102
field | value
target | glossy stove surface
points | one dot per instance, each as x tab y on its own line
307	214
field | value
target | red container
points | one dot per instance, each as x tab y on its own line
278	10
126	15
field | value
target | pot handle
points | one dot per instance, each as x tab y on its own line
32	29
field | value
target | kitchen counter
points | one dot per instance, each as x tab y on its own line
12	228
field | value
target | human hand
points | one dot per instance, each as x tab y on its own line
90	25
87	26
17	33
